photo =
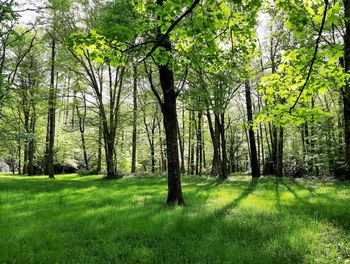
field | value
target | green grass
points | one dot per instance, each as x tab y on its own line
77	219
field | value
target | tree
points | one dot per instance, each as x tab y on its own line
252	144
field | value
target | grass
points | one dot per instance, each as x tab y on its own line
77	219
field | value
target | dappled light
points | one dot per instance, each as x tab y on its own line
88	220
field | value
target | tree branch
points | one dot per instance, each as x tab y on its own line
313	57
172	26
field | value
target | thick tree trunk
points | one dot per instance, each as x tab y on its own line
166	77
111	173
253	154
134	125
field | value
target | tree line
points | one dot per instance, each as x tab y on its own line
185	87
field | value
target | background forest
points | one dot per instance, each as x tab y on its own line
203	87
109	108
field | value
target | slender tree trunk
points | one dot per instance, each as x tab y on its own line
253	154
99	148
216	168
163	166
274	143
46	159
279	164
221	123
199	143
52	113
182	151
183	141
19	157
203	150
189	144
26	113
81	118
192	159
100	133
31	150
153	160
134	125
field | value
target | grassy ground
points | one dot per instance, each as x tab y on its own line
89	220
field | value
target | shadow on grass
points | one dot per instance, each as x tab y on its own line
126	222
323	207
251	187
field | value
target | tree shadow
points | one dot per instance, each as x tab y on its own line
296	196
211	185
223	210
278	195
328	209
312	192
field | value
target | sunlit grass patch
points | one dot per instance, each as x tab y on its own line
85	219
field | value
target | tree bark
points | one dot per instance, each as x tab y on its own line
166	77
221	123
182	151
199	145
253	153
134	125
81	118
216	168
31	147
52	114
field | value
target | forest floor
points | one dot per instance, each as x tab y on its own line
76	219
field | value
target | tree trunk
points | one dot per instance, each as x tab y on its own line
279	163
26	113
52	114
31	149
221	122
182	151
100	134
192	159
253	154
216	168
166	77
162	159
199	145
189	143
134	124
19	157
99	148
82	131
